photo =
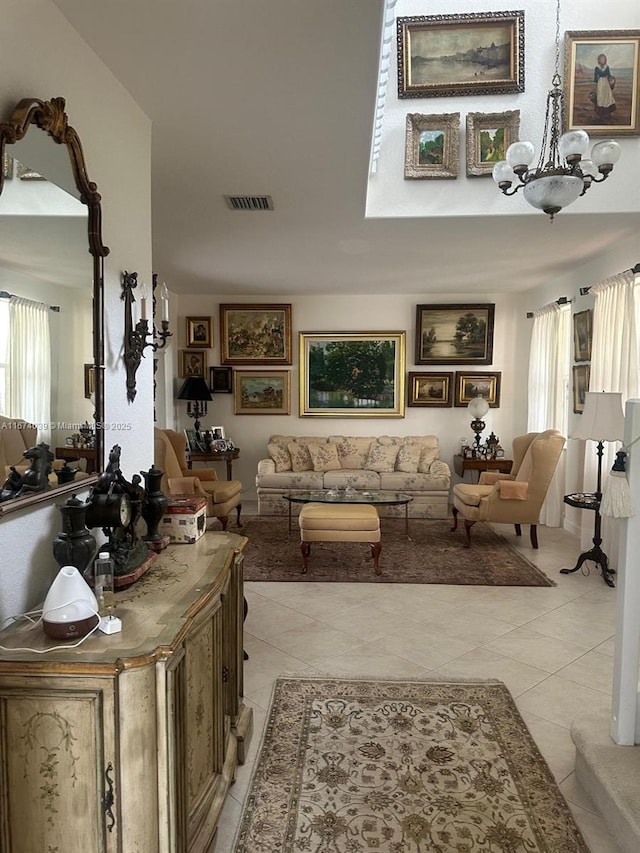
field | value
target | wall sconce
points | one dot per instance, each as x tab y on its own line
135	337
196	391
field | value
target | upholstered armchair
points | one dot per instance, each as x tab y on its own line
222	495
514	498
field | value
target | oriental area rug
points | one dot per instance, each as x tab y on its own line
348	766
433	555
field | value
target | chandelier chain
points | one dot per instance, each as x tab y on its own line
557	38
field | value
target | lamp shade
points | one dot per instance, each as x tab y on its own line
194	388
602	418
478	407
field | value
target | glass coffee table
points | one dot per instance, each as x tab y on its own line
372	498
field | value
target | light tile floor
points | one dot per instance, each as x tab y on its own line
552	646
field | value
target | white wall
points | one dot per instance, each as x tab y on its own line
389	195
43	57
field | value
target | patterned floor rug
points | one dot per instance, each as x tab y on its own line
433	555
348	766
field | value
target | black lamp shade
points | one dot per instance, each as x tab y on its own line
194	388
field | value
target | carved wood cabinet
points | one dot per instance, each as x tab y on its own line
129	743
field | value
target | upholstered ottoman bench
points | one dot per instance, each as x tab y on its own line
339	523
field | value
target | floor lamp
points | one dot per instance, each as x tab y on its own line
602	420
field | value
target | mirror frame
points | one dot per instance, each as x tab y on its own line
50	116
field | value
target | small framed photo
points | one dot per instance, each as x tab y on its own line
582	336
199	332
602	82
196	443
461	333
581	374
89	380
478	53
430	389
431	146
470	385
193	362
220	380
217	433
262	392
488	137
252	334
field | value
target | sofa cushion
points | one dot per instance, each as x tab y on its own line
357	478
280	456
408	458
381	457
324	457
428	455
292	481
300	457
352	451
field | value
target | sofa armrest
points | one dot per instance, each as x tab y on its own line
185	486
266	466
488	478
439	469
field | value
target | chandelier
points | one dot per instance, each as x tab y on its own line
564	172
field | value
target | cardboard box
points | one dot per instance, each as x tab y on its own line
185	520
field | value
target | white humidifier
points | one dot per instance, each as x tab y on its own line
70	609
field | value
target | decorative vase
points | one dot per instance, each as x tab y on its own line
154	503
74	545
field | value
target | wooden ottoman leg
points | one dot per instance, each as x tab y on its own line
305	547
376	548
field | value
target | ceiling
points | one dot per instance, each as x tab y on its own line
276	97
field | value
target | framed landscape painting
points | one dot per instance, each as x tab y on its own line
454	334
602	82
582	335
431	146
470	385
352	374
430	389
581	374
261	392
255	334
479	53
488	137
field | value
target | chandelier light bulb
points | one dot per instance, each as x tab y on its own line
520	154
573	145
606	153
589	168
503	173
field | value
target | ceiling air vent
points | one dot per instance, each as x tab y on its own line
249	202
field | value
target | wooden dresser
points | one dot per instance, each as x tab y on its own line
130	742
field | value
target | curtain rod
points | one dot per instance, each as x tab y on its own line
561	300
635	270
4	294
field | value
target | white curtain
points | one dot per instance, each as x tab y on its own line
549	360
614	368
29	386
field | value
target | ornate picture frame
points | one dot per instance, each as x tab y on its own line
262	392
455	334
582	331
479	384
199	332
488	137
352	374
602	98
432	148
252	333
89	380
581	376
430	389
480	53
221	379
193	362
7	166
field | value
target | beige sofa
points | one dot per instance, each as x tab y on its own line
408	464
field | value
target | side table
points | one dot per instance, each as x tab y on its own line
72	454
462	464
223	455
591	500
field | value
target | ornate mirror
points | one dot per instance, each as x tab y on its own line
51	257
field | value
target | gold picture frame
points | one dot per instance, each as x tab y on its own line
481	384
581	377
488	137
252	334
193	362
582	335
458	333
89	380
480	53
199	332
262	392
430	389
432	146
602	98
352	374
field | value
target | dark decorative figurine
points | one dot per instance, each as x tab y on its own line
74	545
35	479
154	504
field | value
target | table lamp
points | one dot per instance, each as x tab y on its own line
602	420
477	408
195	390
